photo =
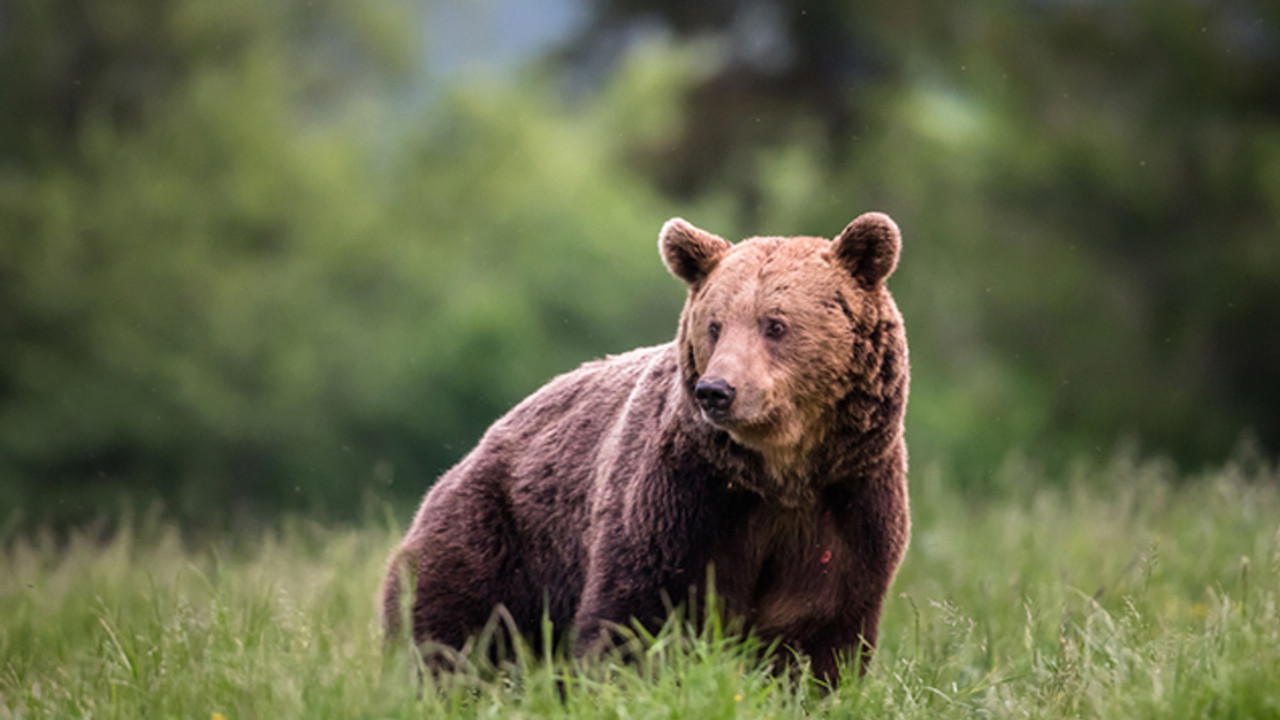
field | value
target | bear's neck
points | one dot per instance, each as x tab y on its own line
794	477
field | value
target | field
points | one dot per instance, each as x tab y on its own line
1122	591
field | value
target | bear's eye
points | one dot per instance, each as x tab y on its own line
774	329
714	331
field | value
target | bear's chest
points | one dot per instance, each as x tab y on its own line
777	569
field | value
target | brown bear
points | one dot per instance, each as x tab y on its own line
765	442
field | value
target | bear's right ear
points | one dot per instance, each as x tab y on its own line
688	252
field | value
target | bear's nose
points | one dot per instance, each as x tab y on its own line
715	396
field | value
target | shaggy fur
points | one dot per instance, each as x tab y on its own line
609	492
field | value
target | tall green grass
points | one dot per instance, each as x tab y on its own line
1125	592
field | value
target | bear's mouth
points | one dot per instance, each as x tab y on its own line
748	432
728	420
720	418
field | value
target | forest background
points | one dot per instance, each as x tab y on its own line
268	257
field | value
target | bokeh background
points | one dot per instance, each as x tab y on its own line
262	256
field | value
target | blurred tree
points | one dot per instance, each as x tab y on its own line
236	274
1089	194
166	168
246	262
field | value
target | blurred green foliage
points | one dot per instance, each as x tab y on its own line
253	256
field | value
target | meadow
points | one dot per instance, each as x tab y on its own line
1122	590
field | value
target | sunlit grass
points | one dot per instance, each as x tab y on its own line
1127	593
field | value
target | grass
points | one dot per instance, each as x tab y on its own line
1125	593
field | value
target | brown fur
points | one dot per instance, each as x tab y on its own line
610	491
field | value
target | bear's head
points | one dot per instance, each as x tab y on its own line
785	341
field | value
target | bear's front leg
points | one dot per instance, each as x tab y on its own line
849	641
649	550
627	582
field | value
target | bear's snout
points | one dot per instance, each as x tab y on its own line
715	396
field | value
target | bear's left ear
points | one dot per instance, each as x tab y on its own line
869	247
690	253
